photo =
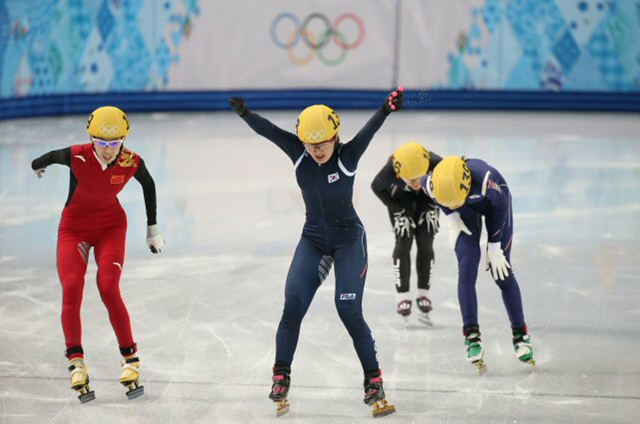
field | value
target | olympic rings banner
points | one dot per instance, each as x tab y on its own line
290	44
62	48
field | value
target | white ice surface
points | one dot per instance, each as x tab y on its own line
205	311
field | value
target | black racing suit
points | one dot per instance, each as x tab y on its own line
400	199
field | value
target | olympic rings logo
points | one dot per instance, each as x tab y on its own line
316	135
109	130
317	43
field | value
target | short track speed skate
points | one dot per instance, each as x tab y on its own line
475	351
280	389
374	396
80	380
130	375
523	348
425	307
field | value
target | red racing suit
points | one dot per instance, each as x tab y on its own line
94	218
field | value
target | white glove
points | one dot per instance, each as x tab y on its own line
456	226
402	224
39	172
154	239
497	262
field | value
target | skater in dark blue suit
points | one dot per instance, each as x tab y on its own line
467	190
332	235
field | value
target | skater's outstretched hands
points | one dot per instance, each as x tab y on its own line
496	262
39	172
154	239
393	101
238	106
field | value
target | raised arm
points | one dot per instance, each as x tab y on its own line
353	150
286	141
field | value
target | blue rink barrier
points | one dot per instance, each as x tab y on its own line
338	99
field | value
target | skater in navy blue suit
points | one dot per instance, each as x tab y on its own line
467	190
333	234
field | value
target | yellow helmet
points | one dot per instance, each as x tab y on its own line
411	161
451	182
317	123
108	122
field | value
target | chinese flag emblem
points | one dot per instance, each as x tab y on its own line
117	179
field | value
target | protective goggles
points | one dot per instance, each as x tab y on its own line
107	143
322	145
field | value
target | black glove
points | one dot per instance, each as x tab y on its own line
403	226
238	106
393	102
430	217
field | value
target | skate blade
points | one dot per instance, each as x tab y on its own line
382	409
425	319
481	367
86	395
135	391
405	319
532	363
283	408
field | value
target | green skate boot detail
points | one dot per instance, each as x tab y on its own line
523	348
475	352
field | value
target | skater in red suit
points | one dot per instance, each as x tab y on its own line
93	218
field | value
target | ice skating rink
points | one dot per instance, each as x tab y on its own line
205	311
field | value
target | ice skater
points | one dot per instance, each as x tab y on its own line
93	218
414	216
467	190
332	235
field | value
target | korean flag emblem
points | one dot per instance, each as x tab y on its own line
333	177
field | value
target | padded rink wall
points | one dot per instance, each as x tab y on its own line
70	56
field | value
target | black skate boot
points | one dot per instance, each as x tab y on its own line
374	394
280	388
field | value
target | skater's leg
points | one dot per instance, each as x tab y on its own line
468	254
425	257
512	299
351	264
308	269
424	264
509	287
72	255
402	263
109	254
402	274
